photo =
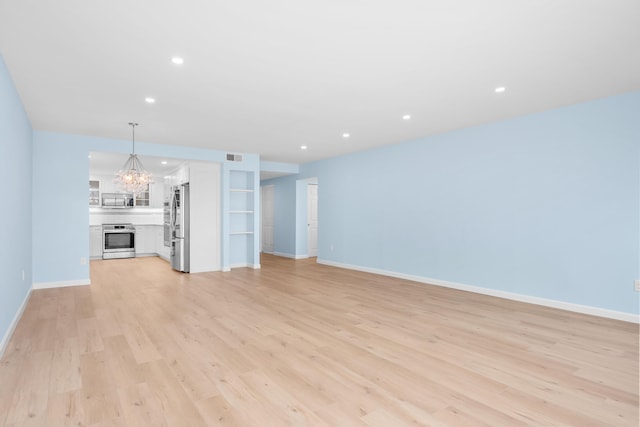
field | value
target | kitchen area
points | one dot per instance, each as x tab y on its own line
164	219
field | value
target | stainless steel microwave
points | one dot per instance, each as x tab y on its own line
117	200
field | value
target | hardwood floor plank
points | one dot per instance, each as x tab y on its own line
298	343
142	348
122	365
177	408
107	323
29	403
84	305
285	405
245	405
216	411
66	325
66	409
140	407
43	335
89	337
98	396
65	367
334	415
383	418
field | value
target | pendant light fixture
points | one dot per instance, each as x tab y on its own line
133	177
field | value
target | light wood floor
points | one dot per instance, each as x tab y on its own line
298	343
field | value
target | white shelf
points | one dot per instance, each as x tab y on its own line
240	190
241	232
240	212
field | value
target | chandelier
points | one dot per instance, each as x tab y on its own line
133	177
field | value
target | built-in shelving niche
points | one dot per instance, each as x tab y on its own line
241	218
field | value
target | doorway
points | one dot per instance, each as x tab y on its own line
312	219
268	195
148	215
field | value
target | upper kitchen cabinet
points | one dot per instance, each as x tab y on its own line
156	193
142	198
182	175
106	183
94	192
152	198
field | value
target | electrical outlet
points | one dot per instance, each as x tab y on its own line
637	285
23	275
83	260
331	248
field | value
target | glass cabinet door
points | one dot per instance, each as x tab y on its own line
94	192
142	198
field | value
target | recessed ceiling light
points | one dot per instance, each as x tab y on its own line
500	89
164	162
345	135
303	147
177	60
149	100
406	117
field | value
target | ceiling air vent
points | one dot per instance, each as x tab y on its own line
234	157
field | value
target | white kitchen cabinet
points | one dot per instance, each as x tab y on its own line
142	197
94	192
182	174
95	241
106	183
157	194
145	240
161	249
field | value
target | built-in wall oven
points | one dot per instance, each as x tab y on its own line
118	241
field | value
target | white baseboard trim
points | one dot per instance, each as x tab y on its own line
242	265
578	308
239	265
63	284
12	327
282	254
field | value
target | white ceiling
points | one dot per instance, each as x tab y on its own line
101	163
268	76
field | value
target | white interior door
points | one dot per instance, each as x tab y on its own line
312	219
267	218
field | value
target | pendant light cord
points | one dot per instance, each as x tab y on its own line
133	131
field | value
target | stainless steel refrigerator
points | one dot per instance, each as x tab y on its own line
179	222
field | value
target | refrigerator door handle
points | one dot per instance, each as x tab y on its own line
172	212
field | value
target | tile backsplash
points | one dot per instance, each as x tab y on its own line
136	216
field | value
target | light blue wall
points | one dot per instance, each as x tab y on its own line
61	215
15	211
545	205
